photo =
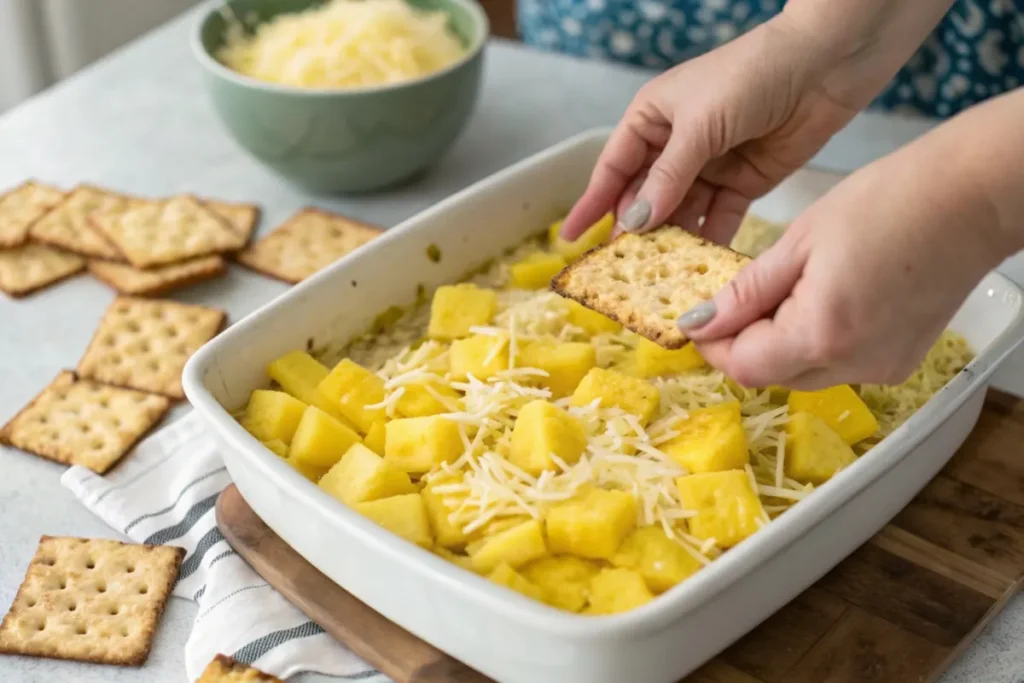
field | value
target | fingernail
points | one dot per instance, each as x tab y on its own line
698	316
636	216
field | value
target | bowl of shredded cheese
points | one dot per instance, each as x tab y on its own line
343	95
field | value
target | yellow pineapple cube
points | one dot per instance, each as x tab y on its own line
514	547
617	590
272	415
660	560
464	561
592	524
421	399
361	476
814	451
654	361
375	437
727	507
417	444
279	448
402	515
320	439
841	409
457	308
543	429
536	270
565	580
505	576
311	472
589	321
440	505
352	388
481	356
710	439
565	363
300	374
618	390
596	235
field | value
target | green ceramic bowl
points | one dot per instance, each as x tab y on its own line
344	140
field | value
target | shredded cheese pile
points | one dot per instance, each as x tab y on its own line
342	44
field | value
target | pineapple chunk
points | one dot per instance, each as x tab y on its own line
591	525
402	515
565	363
660	560
565	580
513	547
280	448
300	374
536	270
727	507
419	401
463	561
841	409
543	429
375	437
361	476
273	415
505	576
481	356
617	590
416	444
311	472
710	439
618	390
320	439
456	308
352	388
447	535
814	451
653	361
590	321
596	235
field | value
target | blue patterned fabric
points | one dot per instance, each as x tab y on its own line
977	51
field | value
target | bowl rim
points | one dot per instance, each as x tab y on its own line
211	64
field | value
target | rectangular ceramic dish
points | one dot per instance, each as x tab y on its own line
506	636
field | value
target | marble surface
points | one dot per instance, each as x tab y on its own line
138	122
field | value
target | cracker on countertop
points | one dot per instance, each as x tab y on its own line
67	225
647	281
91	600
80	422
144	343
22	206
305	243
31	267
223	669
152	233
135	282
242	217
755	235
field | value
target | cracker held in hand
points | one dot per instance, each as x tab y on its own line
80	422
242	217
223	669
30	267
144	344
305	243
23	206
157	232
67	225
91	600
136	282
647	281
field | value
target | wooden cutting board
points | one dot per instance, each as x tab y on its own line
901	608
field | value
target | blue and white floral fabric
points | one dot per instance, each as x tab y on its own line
977	51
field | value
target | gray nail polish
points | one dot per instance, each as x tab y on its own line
698	316
636	216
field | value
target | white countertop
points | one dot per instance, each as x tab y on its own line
138	122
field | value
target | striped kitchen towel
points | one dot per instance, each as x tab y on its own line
164	493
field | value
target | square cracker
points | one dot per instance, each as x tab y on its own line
133	281
91	600
157	232
144	343
67	225
80	422
23	206
647	281
242	217
305	243
30	267
223	669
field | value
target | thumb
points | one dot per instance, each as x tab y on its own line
755	292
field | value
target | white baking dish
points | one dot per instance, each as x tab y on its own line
509	637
